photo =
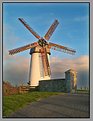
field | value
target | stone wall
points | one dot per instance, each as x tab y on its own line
53	85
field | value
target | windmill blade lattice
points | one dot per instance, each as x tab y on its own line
45	62
20	49
61	48
51	30
29	28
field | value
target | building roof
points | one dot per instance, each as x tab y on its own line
70	70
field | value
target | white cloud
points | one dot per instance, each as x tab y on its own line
80	64
17	68
77	63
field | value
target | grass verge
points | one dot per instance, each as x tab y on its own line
82	91
14	102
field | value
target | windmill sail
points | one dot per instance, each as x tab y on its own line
20	49
29	28
45	62
61	48
51	30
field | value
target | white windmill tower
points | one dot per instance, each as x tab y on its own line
40	51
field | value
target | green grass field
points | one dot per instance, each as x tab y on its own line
79	91
14	102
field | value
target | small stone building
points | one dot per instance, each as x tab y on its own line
69	84
71	80
53	85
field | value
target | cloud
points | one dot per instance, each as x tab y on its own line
80	64
16	68
77	63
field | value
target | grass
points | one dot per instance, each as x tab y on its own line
14	102
79	91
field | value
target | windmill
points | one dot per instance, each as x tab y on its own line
40	52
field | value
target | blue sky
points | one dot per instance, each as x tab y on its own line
72	31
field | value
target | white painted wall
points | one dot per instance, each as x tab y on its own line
36	70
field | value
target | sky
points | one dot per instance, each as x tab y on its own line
72	32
